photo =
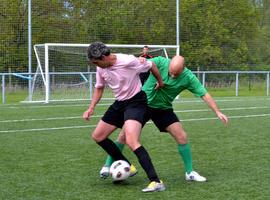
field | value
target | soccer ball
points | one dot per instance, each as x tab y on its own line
120	170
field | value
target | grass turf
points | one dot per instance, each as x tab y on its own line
64	163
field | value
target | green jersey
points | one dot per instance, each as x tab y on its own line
163	98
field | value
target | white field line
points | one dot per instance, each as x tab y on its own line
228	99
92	126
53	106
46	119
99	116
224	109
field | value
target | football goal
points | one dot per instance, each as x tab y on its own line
63	72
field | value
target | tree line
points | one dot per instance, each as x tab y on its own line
214	34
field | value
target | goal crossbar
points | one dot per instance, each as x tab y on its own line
43	68
110	45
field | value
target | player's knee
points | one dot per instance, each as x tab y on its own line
179	136
133	145
97	137
94	138
181	139
122	138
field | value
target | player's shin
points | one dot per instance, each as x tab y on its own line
146	163
109	159
111	148
185	152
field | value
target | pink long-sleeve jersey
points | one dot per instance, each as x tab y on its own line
123	76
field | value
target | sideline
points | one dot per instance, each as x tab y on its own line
99	116
92	126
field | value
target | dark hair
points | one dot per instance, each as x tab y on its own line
146	47
96	50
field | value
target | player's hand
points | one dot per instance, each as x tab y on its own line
159	85
222	117
88	113
142	60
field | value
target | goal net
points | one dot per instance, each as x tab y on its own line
63	72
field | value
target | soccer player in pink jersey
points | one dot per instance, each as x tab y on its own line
121	73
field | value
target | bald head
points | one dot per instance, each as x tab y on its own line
176	66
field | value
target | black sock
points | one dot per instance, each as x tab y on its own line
146	163
111	148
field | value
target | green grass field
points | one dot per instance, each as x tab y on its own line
17	95
46	153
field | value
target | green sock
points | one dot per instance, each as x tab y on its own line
184	151
109	159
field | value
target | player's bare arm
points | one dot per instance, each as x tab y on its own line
208	99
155	72
157	75
96	97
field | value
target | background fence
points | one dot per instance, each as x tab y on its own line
214	35
66	86
231	35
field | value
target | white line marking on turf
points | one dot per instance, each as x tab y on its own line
230	117
99	116
47	119
91	126
241	108
48	129
53	106
182	100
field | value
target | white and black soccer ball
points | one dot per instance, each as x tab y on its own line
119	170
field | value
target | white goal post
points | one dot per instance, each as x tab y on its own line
63	72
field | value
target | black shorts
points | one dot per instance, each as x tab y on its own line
144	76
134	108
162	118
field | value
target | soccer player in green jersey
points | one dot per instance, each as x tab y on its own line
176	78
